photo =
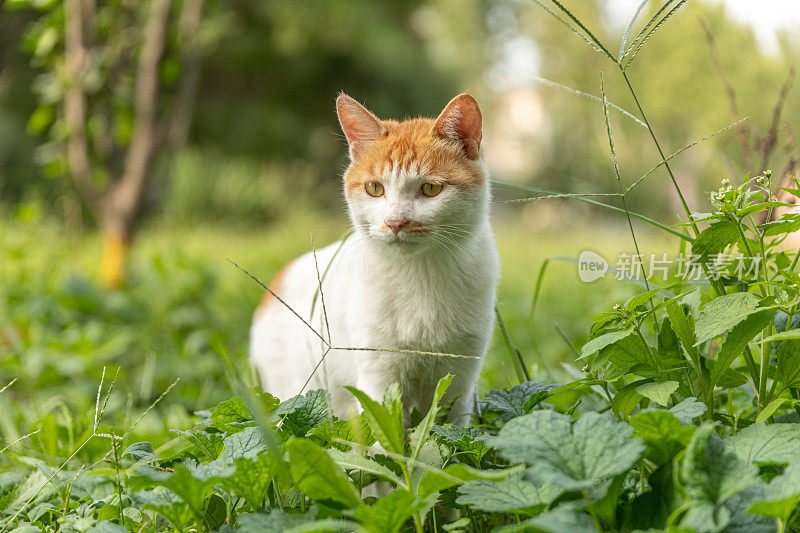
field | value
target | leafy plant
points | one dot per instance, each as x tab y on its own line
686	416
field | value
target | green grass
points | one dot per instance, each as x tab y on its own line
59	328
185	315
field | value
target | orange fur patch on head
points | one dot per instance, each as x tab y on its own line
275	285
414	147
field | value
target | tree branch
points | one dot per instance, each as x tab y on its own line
744	142
772	135
181	119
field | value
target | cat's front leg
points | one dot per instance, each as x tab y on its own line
376	372
462	390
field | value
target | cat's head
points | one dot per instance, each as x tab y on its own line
416	182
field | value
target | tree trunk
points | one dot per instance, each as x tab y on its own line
178	133
75	102
120	205
114	257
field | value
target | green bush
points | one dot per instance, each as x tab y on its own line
213	187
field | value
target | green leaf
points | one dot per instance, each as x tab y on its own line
662	432
626	399
572	456
641	298
207	443
736	342
421	433
563	518
652	508
628	354
318	476
606	339
105	526
249	443
165	502
792	334
229	415
518	400
352	461
715	238
192	489
469	442
711	473
788	223
438	479
702	516
684	328
302	413
278	521
788	361
688	410
741	521
141	452
658	392
386	421
388	514
769	409
767	444
781	495
216	513
722	313
355	429
514	494
252	477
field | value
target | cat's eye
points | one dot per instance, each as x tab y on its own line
373	188
431	189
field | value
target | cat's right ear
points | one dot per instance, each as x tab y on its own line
358	124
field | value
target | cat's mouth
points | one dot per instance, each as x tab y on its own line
402	240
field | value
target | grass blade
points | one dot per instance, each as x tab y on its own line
629	28
538	287
584	28
680	151
550	83
668	15
516	355
287	306
570	26
646	27
582	198
616	168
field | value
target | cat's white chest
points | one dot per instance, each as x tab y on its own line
423	303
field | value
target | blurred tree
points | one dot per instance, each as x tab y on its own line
18	174
679	87
268	87
116	90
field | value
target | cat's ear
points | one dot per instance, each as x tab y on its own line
358	124
461	122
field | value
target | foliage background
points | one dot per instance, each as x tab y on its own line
259	174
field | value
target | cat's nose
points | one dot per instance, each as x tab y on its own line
395	225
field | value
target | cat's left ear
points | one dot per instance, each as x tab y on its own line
461	122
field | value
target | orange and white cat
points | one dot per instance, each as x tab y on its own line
419	271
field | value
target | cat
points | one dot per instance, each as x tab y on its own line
418	273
